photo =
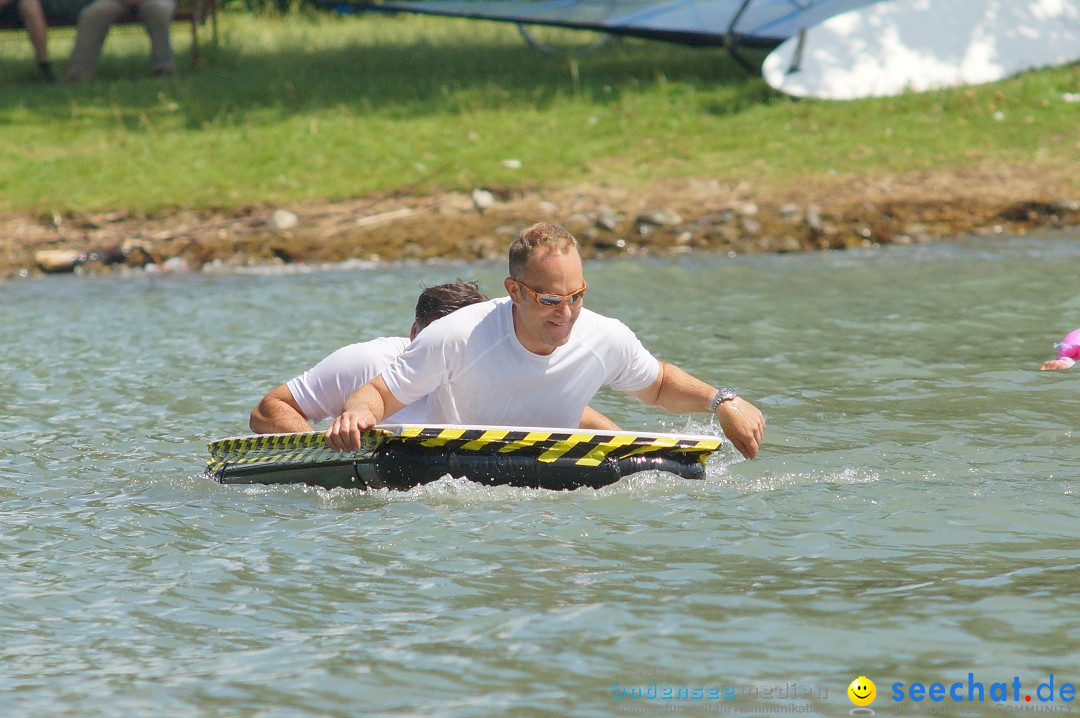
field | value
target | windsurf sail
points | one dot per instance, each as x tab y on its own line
903	46
748	23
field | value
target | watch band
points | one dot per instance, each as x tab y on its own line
722	395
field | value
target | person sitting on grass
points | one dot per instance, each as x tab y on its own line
33	18
1068	352
95	20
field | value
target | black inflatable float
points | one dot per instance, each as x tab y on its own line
403	456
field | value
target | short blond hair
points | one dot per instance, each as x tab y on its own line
532	240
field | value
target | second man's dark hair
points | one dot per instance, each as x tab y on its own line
443	299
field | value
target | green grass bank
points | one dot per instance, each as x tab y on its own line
321	107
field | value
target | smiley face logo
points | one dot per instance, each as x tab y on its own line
862	691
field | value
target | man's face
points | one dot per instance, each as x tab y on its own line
541	329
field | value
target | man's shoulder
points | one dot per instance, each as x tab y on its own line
377	346
394	342
483	309
595	321
466	319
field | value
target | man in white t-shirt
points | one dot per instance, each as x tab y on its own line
534	358
321	391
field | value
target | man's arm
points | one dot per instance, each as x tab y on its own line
278	413
1055	364
593	419
365	408
678	391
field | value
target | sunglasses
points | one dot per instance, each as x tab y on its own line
549	299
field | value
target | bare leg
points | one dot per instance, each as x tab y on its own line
34	19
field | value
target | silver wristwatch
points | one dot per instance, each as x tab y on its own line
722	395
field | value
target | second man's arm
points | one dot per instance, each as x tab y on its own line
278	413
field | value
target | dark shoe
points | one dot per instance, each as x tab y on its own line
47	73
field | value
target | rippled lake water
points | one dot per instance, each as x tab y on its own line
912	517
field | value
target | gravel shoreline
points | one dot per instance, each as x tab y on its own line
668	217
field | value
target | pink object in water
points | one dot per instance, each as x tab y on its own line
1069	348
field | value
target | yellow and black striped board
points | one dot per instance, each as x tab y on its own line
400	456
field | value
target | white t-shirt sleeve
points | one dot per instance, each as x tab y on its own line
421	368
631	367
321	391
